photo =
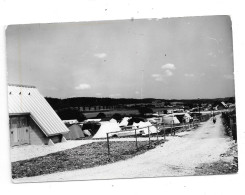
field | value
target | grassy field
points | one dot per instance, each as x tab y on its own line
85	156
125	112
109	113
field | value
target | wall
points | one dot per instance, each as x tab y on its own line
37	137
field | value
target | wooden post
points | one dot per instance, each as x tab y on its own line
136	139
108	145
171	128
157	132
164	132
149	136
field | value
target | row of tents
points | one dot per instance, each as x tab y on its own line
95	128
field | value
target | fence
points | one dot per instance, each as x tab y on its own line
229	121
162	130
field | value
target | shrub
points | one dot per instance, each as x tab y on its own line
101	115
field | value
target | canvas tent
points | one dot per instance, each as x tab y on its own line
108	119
106	127
145	125
169	119
93	120
124	122
187	118
90	128
135	120
183	117
74	133
32	119
142	127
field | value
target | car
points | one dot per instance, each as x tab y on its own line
127	131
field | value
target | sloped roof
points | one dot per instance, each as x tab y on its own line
27	99
224	104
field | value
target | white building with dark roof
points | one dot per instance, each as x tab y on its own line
31	119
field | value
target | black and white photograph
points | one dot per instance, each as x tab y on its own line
116	99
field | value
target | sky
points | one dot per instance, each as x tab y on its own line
171	58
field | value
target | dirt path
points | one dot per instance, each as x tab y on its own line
177	157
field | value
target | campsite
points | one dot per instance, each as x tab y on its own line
96	142
121	99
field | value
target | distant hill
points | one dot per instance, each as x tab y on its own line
57	103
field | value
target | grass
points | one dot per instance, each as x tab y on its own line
85	156
221	166
217	168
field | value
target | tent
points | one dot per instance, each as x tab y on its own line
108	119
113	120
135	120
124	122
74	133
180	116
93	120
106	127
142	127
187	118
91	127
154	120
169	119
145	125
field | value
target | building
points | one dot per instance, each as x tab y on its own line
31	119
221	106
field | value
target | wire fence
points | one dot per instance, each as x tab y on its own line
152	134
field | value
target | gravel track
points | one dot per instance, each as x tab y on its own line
177	157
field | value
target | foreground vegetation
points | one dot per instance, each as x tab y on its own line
223	166
85	156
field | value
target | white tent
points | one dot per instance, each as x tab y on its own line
113	120
105	128
124	121
143	127
154	120
187	117
169	119
93	120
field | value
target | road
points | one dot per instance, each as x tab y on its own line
177	157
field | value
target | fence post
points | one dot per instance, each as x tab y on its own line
164	132
157	132
108	144
149	136
171	128
136	139
174	128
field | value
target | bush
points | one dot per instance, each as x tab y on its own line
117	116
69	114
145	110
101	115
